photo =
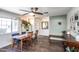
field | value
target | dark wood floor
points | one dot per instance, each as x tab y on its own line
40	45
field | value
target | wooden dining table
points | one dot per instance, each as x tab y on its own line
21	38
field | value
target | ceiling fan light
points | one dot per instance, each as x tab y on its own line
31	13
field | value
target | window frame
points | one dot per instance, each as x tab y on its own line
10	25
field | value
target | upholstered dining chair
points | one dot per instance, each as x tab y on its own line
23	33
34	37
15	41
36	34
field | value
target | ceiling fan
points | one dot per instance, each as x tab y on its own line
34	10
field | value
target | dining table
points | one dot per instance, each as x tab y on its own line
21	37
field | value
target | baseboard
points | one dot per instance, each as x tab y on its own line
56	36
43	35
5	45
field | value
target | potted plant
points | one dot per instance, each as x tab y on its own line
26	25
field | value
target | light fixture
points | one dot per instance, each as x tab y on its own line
31	14
68	33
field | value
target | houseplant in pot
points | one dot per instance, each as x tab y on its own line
26	25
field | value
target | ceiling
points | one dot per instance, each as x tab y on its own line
52	11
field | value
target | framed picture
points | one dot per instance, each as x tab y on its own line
44	25
77	23
76	16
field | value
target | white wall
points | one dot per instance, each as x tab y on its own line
5	39
32	21
44	32
55	28
69	15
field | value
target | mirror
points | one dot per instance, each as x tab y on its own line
44	25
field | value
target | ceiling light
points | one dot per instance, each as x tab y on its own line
31	13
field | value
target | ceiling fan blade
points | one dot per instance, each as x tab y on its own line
38	13
24	14
25	10
45	13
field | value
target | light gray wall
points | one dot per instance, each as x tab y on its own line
5	39
70	14
55	28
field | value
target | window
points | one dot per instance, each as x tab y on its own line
8	25
14	25
5	25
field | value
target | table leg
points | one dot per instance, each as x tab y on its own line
21	45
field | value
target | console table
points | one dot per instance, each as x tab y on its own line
71	43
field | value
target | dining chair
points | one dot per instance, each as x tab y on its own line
23	33
28	40
36	34
15	41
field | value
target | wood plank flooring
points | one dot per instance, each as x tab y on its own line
40	45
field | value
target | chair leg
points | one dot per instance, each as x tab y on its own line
12	45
